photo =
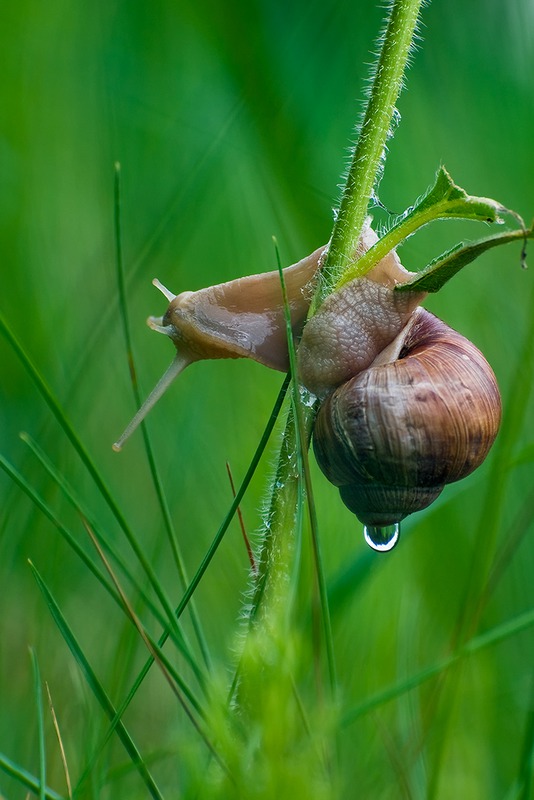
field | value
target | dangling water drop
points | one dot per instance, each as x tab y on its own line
382	538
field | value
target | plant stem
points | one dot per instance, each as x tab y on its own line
362	176
272	607
366	165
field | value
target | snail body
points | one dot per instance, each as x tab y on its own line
354	326
243	318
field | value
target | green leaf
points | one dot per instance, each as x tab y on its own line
450	200
445	266
445	200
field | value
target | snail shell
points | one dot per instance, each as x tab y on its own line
425	414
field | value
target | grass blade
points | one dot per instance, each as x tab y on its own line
154	649
73	543
79	550
303	444
201	570
246	540
96	687
60	743
17	478
74	501
38	691
175	682
59	414
494	636
164	506
237	499
26	778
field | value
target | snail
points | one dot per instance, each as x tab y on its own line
407	403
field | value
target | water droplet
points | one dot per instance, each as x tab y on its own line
382	538
307	398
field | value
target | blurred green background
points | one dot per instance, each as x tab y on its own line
231	122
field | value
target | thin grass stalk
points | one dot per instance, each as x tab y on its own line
499	633
197	577
25	778
60	742
304	469
156	480
91	566
82	511
100	330
59	414
237	500
101	545
303	444
38	693
96	686
282	513
246	540
17	478
174	680
103	541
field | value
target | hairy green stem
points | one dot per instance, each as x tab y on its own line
362	176
272	606
369	152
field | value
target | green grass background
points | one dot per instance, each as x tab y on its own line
231	122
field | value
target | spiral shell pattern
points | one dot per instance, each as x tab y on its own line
395	434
